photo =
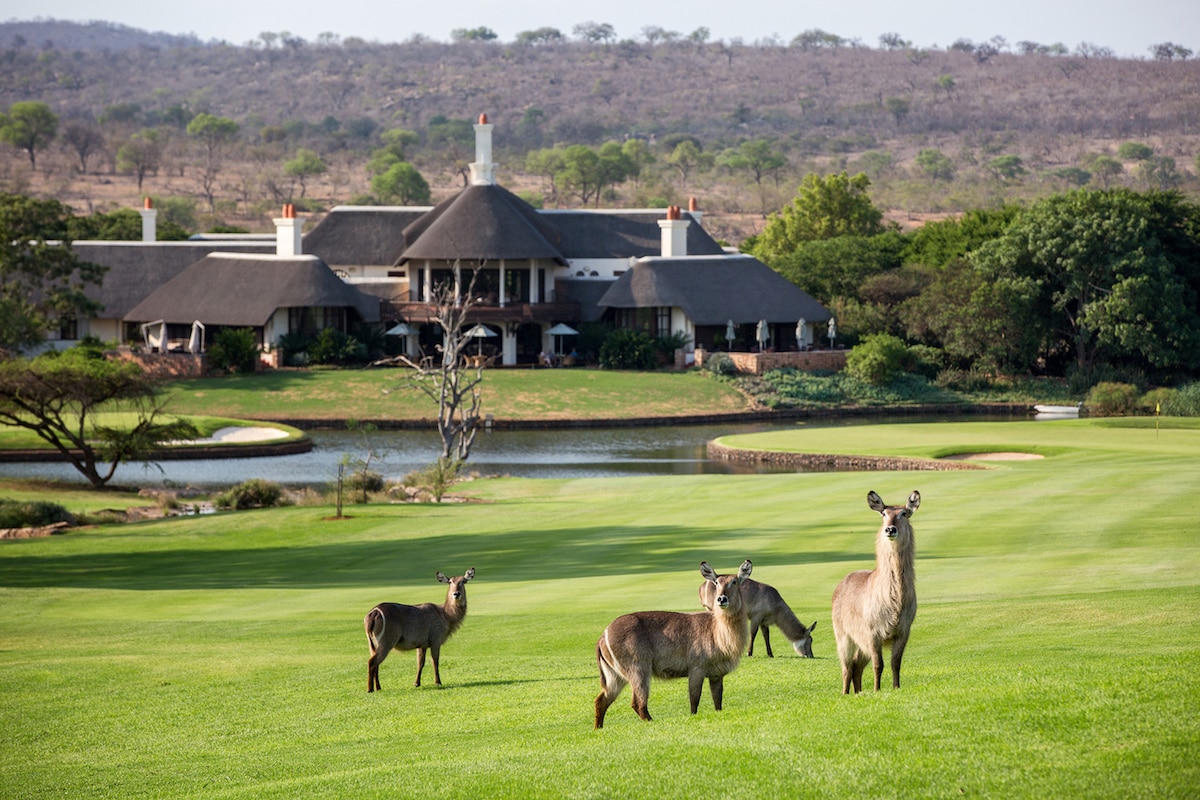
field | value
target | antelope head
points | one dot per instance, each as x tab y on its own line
458	588
895	518
723	582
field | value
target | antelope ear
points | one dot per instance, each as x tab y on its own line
914	502
744	571
469	574
812	627
875	502
441	576
707	571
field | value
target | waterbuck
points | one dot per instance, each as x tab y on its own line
395	626
765	606
670	644
874	608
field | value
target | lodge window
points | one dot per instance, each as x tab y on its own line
315	318
68	328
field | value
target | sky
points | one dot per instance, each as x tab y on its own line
1128	27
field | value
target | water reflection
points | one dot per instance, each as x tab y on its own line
586	453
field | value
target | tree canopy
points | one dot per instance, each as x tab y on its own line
29	126
41	280
824	208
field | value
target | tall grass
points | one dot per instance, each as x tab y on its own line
1056	650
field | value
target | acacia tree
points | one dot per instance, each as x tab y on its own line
59	394
140	155
29	126
213	133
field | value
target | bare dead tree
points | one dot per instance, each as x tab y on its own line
446	378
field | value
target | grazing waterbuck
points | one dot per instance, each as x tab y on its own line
765	606
395	626
874	608
671	644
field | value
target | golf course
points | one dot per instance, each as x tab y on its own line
1055	651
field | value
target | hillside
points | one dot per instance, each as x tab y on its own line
824	108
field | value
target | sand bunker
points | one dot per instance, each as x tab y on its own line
233	434
993	457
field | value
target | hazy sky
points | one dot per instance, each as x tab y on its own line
1129	27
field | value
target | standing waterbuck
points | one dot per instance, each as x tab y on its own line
671	644
765	606
395	626
874	608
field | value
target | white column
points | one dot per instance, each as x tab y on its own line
287	232
149	222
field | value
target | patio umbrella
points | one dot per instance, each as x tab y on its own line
762	333
730	333
399	329
558	331
832	331
801	332
480	332
153	341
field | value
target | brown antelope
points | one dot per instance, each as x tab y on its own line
395	626
670	644
765	606
874	608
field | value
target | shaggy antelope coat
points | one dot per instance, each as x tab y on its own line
395	626
670	644
875	608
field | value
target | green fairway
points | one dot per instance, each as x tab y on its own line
525	394
1056	651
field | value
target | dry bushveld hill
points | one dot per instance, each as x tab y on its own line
936	130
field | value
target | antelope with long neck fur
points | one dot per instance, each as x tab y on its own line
875	608
395	626
670	644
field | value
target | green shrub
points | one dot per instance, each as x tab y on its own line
719	364
1183	402
878	359
254	493
963	380
626	349
359	482
1157	399
331	346
32	514
1111	399
234	350
667	345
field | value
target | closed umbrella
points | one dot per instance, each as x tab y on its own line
196	340
730	334
801	333
762	333
832	332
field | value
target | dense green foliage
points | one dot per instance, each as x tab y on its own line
627	349
878	359
31	513
234	350
254	493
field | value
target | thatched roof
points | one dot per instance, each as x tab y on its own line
482	222
138	268
362	235
245	290
713	290
622	234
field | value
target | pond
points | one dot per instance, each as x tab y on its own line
575	453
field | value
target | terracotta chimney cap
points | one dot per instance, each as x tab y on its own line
289	211
692	204
147	203
483	120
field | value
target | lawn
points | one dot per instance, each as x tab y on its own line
521	394
1056	652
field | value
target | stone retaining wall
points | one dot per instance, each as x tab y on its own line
833	462
758	363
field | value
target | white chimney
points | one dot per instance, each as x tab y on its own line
149	221
287	232
483	171
674	233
